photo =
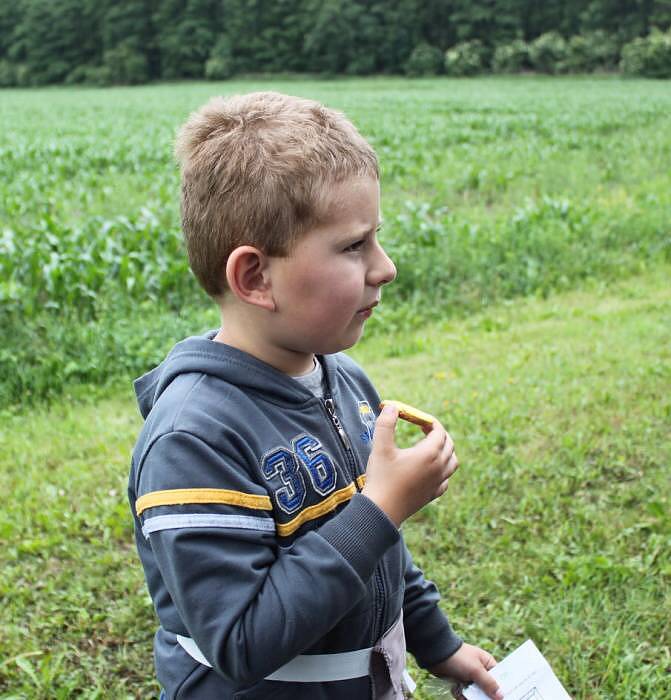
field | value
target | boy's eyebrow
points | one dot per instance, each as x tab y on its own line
365	232
377	228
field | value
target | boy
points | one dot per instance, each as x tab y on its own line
267	517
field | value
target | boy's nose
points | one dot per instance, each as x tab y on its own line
383	271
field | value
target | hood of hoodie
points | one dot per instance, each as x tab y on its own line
203	355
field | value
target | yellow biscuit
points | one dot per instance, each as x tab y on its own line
412	415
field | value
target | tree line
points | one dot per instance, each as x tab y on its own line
135	41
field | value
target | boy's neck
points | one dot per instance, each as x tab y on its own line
288	361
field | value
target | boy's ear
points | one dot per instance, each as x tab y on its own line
248	277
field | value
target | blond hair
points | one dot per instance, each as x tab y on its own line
256	170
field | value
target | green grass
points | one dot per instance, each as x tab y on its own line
529	219
516	185
556	526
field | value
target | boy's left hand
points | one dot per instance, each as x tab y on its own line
470	664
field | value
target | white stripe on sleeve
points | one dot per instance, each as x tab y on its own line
187	520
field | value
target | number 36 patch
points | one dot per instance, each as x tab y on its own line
306	456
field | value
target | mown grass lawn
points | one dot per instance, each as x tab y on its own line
556	527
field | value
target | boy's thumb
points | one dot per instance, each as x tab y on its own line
385	425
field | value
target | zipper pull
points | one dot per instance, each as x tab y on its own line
330	409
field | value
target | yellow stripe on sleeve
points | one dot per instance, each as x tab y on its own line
174	497
361	481
319	509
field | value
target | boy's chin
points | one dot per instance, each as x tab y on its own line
329	347
332	348
346	343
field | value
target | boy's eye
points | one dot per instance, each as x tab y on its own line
353	247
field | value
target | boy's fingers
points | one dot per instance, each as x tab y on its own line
488	683
433	448
385	425
452	464
451	467
448	449
435	438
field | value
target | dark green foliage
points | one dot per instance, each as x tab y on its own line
50	39
10	16
549	53
128	41
186	34
490	21
649	56
511	58
127	22
352	38
592	51
7	74
89	75
425	60
265	35
466	58
219	65
660	14
329	45
126	65
624	20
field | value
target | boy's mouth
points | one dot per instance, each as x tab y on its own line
366	311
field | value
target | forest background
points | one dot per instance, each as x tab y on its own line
135	41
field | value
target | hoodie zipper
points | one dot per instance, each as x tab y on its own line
380	596
329	405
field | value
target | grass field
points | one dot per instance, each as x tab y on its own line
556	526
530	220
518	186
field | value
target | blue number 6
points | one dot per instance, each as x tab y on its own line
319	465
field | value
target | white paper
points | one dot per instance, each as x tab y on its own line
523	675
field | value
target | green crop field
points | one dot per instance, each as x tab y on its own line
492	189
530	220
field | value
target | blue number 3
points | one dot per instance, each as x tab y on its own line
281	461
308	451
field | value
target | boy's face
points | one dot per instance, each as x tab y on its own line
326	289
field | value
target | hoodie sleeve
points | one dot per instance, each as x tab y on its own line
249	604
429	635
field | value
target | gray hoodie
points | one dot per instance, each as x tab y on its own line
254	538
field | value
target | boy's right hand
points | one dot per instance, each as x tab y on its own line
401	481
